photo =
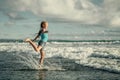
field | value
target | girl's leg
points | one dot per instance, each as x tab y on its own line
36	48
42	56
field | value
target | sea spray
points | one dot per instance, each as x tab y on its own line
28	60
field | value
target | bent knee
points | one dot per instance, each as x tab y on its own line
37	50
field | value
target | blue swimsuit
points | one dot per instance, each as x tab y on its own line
43	39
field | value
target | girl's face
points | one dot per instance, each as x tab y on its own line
45	25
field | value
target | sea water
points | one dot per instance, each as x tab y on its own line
65	60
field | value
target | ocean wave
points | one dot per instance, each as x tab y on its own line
107	41
111	65
106	57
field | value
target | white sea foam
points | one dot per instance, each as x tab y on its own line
98	56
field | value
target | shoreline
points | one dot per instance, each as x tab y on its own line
57	40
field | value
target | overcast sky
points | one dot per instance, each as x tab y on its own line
17	16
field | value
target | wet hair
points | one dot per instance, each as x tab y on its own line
42	23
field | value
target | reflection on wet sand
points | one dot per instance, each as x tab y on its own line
41	75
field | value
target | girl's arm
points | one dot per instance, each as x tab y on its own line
37	35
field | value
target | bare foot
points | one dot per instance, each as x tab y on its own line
41	66
27	40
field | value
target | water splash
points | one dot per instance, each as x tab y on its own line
28	60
